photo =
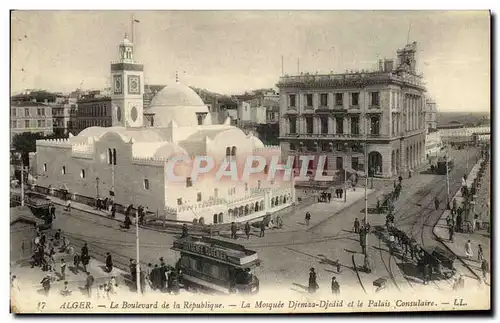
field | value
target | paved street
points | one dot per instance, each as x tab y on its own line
287	254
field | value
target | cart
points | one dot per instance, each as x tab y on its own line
440	260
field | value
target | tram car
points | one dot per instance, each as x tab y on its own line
216	266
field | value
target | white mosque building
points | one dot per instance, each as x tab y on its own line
128	161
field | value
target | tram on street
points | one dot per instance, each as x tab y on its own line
216	266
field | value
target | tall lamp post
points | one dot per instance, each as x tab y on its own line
20	156
345	172
97	186
466	151
138	264
366	184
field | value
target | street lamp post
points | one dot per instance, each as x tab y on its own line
447	178
138	264
345	175
97	186
22	177
366	186
466	151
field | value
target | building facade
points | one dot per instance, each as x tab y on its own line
336	114
433	145
93	111
430	114
129	162
462	134
61	116
29	116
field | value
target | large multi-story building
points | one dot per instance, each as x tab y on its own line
93	111
336	114
30	116
61	114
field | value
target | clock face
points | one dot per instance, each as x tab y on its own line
134	84
133	114
118	84
118	113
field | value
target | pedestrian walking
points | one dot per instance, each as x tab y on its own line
335	286
85	262
109	262
468	250
308	218
329	197
57	235
127	222
63	269
46	284
76	263
485	268
480	253
313	284
65	291
451	232
133	269
113	210
111	285
247	230
89	282
262	229
436	202
459	283
279	222
185	231
85	250
234	229
356	225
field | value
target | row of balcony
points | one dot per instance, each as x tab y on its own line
355	77
334	135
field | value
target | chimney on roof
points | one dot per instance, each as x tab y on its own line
380	65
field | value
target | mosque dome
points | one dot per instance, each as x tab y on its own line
177	103
177	95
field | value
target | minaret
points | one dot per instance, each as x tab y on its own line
127	90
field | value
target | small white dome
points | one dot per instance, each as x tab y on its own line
177	95
257	143
169	150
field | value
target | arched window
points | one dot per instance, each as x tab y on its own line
233	151
110	156
114	156
215	218
228	151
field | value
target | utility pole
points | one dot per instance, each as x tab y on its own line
138	264
282	67
366	184
447	178
22	180
345	179
466	151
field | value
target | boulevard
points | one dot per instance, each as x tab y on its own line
288	253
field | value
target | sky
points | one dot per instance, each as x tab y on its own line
230	52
